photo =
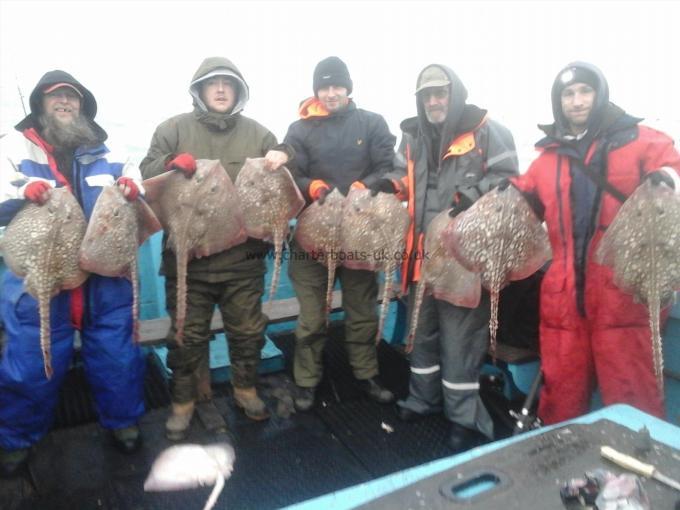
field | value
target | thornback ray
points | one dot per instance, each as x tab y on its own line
188	466
116	229
269	200
500	238
41	244
372	239
642	247
442	276
318	233
201	216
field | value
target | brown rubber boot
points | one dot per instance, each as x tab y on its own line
177	426
211	418
252	405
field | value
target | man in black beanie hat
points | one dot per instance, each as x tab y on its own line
337	145
592	334
580	82
331	71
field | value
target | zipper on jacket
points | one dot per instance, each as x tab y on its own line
76	185
558	192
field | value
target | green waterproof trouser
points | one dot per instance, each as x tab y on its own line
359	294
239	301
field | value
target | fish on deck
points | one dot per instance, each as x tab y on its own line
642	246
201	215
114	233
187	466
41	245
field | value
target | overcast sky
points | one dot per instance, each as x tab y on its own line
138	57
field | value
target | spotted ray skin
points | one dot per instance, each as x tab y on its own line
642	246
270	199
500	238
442	276
373	232
318	232
201	216
41	245
114	233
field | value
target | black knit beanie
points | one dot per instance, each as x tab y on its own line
332	71
575	74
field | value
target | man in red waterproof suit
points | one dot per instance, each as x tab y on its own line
593	156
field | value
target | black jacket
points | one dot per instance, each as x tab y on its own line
352	145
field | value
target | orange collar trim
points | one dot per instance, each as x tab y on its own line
312	108
464	143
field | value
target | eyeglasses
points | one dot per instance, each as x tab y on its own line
436	92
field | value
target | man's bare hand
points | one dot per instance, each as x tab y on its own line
273	160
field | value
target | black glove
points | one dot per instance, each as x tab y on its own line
382	186
323	193
460	203
503	185
659	176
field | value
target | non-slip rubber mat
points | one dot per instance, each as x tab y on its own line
380	441
75	406
288	459
374	434
278	463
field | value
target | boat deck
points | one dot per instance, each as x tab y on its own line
346	439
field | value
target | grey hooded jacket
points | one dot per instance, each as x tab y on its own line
474	154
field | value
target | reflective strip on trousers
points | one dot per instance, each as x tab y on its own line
426	370
461	386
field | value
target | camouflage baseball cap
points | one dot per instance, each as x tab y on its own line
432	76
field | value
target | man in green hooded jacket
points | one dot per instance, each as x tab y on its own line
232	279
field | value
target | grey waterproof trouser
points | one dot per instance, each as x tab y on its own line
449	350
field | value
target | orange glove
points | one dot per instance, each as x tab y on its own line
318	190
